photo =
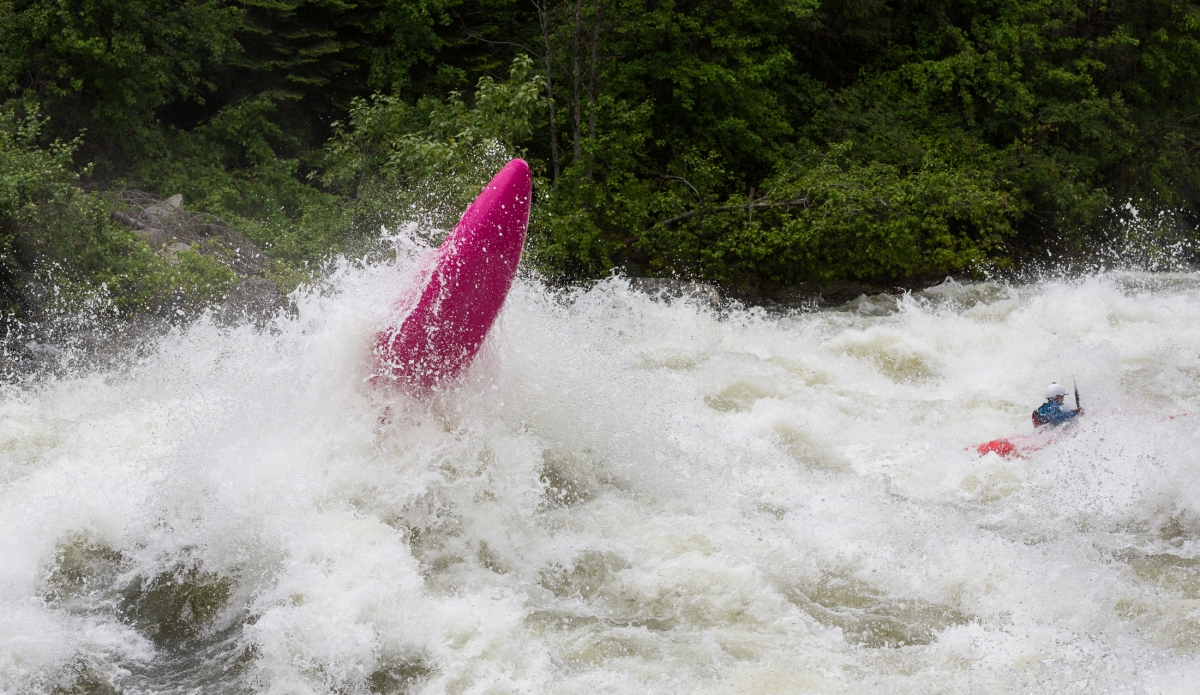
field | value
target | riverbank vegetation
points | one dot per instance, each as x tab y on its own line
759	145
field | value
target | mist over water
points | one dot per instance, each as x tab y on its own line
626	495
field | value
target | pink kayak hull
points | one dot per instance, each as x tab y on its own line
468	281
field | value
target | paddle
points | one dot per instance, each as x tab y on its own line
1073	383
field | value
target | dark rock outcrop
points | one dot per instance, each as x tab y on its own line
169	229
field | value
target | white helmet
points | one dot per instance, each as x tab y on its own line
1055	390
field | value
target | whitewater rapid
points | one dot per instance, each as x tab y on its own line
627	495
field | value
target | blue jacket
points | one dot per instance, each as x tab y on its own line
1052	413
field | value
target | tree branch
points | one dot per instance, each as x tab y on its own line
761	205
687	183
477	37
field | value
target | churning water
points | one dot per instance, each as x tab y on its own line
626	496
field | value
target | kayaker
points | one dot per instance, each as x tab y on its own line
1052	411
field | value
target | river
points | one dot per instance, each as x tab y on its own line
626	495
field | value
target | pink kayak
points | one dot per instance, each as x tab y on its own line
468	280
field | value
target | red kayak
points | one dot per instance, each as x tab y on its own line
1017	446
1004	447
1021	445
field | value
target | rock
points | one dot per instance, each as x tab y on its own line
805	295
170	252
841	292
872	305
811	294
169	229
153	222
674	288
254	299
164	209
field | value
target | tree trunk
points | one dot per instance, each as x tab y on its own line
592	88
543	10
577	84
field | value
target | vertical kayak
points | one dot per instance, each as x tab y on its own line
435	342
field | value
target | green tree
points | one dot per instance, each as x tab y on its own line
50	225
107	67
390	158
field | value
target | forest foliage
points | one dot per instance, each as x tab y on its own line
754	144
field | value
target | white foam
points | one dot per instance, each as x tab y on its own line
625	495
